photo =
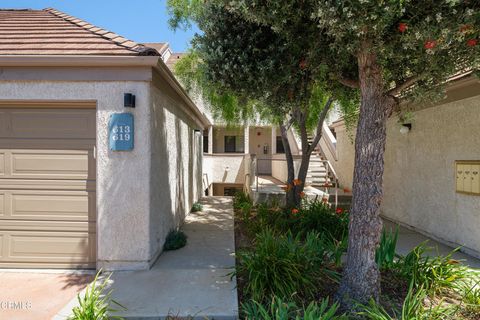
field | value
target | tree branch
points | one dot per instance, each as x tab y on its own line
321	120
404	85
351	83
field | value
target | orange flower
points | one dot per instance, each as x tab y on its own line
430	44
302	194
402	27
472	42
294	211
297	182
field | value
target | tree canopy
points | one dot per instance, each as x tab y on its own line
280	52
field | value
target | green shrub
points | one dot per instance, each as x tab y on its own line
95	305
280	310
386	252
175	240
470	292
412	309
197	206
431	273
283	265
240	199
318	216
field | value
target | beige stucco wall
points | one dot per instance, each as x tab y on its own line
176	165
122	192
226	168
419	180
140	193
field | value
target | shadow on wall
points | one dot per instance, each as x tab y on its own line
160	180
173	171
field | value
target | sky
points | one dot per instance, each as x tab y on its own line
137	20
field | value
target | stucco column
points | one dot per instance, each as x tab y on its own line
246	139
274	140
210	140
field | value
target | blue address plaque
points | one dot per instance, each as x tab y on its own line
121	132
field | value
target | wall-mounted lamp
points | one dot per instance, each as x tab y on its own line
227	168
406	128
128	100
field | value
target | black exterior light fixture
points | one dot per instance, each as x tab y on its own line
128	100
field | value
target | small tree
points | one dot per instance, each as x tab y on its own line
388	50
245	69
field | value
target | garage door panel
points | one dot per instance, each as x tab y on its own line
53	124
24	184
2	204
47	225
49	164
47	188
50	206
54	247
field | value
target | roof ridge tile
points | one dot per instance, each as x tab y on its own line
130	45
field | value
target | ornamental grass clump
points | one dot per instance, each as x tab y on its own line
279	309
284	266
386	251
96	303
413	308
431	273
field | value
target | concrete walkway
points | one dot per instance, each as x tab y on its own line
191	281
409	239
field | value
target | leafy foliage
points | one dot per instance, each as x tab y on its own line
281	310
386	252
283	266
176	239
95	304
197	207
431	273
412	309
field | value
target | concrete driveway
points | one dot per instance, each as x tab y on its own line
37	296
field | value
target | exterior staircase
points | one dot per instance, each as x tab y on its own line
321	177
318	174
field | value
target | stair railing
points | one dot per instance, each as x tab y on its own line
330	170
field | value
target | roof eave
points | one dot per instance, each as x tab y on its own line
106	61
75	61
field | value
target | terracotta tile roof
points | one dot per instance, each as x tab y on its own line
51	32
161	47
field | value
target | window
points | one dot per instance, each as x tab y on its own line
205	143
234	144
280	148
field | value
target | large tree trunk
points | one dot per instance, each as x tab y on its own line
361	277
290	195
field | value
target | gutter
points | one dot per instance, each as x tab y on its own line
155	62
